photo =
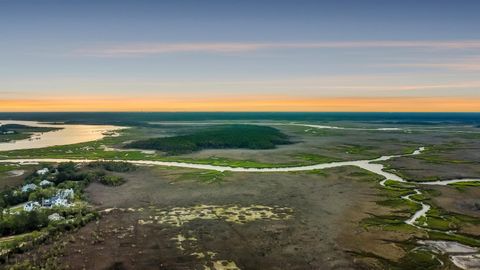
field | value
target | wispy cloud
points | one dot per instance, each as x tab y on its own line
237	47
315	86
469	64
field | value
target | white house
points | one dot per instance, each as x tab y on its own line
28	187
62	198
30	206
43	171
60	202
45	183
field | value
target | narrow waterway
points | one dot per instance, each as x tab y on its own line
462	261
369	165
70	134
420	213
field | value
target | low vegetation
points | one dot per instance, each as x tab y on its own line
440	225
219	137
112	166
462	185
314	158
208	177
108	180
22	227
10	132
419	259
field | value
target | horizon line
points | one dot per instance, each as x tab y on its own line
309	112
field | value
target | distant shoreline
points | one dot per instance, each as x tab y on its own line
136	117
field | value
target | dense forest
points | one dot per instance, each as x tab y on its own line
219	137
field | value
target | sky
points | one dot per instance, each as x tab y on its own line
230	55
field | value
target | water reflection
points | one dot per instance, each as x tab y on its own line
68	134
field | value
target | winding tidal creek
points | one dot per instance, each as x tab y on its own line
68	135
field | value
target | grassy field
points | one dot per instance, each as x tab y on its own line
346	203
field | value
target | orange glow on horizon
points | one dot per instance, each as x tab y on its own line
347	104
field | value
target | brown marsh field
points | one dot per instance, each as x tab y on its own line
334	218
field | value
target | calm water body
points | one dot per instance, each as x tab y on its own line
68	134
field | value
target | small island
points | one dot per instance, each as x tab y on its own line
15	132
217	137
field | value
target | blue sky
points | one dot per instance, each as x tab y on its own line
229	50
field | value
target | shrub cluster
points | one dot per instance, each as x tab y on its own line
112	166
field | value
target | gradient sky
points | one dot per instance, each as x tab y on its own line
231	55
